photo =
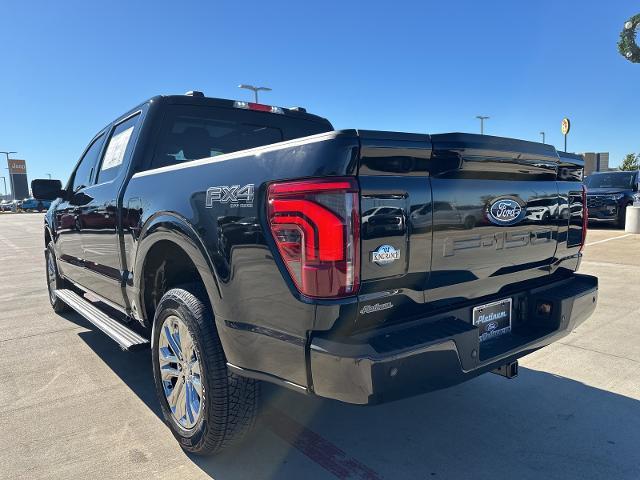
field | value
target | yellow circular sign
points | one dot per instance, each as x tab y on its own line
566	126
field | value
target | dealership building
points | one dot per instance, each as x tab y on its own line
595	162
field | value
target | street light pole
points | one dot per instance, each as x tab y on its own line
542	133
13	195
255	90
5	185
48	175
482	119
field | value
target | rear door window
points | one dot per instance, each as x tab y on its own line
195	133
118	149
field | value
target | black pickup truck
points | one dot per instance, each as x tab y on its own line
249	243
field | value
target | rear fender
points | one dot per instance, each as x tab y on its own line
176	229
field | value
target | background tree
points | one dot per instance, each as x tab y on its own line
631	162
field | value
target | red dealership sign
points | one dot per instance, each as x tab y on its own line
17	166
18	178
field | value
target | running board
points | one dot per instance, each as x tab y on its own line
122	335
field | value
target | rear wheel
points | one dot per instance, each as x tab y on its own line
54	281
622	216
469	223
206	406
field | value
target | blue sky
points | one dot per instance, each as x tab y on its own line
67	68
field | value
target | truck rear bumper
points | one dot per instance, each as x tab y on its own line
434	353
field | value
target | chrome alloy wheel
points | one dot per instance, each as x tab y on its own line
180	372
51	277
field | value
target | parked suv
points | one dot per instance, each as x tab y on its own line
31	204
609	194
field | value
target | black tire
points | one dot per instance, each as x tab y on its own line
230	403
622	216
54	280
469	223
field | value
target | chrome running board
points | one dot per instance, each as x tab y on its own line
121	334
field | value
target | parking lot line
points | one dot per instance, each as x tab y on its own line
608	239
316	448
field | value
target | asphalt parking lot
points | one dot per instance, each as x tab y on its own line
72	405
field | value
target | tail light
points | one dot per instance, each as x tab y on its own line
585	216
316	226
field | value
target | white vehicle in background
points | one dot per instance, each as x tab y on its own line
541	209
9	206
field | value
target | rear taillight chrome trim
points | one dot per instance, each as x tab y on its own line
315	224
585	217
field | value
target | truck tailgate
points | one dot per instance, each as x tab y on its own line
452	218
495	217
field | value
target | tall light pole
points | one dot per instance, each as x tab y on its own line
49	175
482	119
13	195
255	90
5	185
542	133
7	154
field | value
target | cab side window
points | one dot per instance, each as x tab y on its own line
84	170
118	149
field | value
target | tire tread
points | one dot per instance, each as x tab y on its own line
231	401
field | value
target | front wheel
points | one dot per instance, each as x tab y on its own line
469	223
622	216
206	406
54	281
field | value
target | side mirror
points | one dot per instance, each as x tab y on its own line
43	189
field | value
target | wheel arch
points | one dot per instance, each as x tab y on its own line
47	236
169	238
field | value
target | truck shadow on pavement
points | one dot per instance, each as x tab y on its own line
536	426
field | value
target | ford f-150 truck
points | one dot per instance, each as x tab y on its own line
245	243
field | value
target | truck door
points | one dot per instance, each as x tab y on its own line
67	214
99	218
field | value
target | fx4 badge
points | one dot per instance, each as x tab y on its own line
385	254
234	195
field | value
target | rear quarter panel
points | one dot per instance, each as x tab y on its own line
255	304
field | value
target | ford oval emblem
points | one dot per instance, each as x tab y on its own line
505	211
491	326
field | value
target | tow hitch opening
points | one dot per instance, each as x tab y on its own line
509	370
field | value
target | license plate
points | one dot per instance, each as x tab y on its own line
493	319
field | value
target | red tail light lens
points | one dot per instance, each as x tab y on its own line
316	226
585	216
